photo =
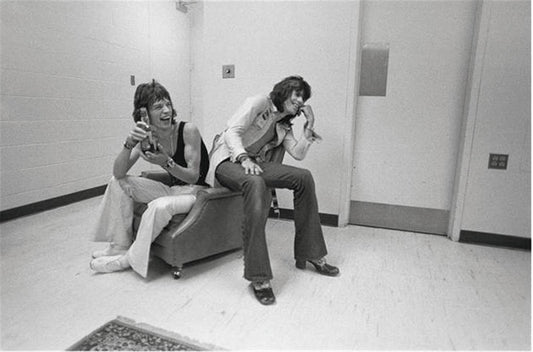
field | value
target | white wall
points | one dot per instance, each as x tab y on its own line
498	121
268	41
406	143
66	98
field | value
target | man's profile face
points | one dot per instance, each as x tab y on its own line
295	101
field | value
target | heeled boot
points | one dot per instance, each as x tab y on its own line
320	265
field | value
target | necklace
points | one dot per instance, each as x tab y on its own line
172	152
171	141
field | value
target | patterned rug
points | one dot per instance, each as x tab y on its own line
123	334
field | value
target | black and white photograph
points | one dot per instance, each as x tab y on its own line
190	175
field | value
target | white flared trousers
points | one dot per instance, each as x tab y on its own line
115	215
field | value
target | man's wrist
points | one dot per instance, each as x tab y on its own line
169	164
128	144
242	157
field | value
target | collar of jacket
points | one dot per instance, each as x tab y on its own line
260	126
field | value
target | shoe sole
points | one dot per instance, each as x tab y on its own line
108	255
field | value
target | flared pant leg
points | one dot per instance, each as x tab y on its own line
154	219
309	240
115	217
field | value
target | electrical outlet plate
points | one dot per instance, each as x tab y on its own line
228	71
498	161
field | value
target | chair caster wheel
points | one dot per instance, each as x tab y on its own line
176	273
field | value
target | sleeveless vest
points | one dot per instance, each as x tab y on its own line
179	158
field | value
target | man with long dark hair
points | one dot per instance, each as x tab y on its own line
247	157
179	150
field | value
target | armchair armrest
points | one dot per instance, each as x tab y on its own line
157	175
203	198
215	193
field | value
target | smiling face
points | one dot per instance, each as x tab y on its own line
161	113
156	99
292	105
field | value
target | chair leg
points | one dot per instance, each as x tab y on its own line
177	272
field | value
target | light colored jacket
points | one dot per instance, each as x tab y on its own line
249	123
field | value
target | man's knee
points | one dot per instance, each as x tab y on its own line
124	184
255	184
159	207
256	192
121	184
158	203
172	205
304	175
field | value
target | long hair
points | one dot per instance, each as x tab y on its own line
147	94
283	90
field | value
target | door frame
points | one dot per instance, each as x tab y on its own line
352	94
469	113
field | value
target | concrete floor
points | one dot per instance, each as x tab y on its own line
397	291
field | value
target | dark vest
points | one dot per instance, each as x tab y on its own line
179	158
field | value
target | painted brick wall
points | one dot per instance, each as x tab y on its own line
66	97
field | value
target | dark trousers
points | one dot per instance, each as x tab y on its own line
309	240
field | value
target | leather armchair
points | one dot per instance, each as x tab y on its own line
213	226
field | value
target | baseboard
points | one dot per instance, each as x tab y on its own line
48	204
398	217
288	214
10	214
494	239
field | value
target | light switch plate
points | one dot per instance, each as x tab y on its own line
228	71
